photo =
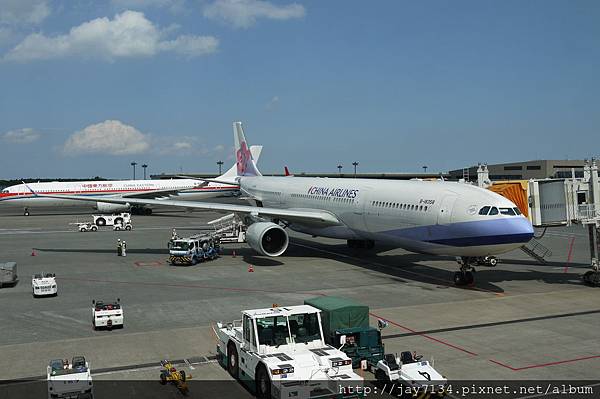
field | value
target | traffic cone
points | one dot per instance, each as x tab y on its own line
233	254
250	269
33	252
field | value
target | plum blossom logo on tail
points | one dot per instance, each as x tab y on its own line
243	156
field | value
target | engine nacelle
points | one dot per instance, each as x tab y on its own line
267	238
105	207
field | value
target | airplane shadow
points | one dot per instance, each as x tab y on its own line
409	267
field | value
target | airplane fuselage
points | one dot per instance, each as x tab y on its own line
433	217
20	196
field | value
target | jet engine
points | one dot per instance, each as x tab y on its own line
105	207
267	238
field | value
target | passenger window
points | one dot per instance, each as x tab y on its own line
493	211
484	210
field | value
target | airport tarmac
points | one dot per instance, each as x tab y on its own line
521	320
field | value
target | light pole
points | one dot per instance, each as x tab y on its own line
340	169
133	164
220	163
144	166
355	163
424	168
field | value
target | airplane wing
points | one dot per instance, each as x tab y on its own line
307	216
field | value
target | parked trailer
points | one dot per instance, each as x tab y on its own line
346	326
280	352
8	274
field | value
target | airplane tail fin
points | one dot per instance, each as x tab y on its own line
246	165
255	150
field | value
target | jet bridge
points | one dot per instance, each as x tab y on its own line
557	202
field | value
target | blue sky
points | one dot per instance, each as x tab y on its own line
87	87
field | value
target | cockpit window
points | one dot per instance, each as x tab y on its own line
5	191
507	211
493	211
517	211
484	210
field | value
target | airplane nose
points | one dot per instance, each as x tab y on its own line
520	229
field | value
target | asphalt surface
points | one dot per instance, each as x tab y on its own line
521	320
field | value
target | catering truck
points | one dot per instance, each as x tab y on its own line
280	352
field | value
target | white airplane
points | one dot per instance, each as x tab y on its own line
432	217
186	189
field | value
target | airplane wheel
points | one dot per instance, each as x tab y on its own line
182	373
94	228
101	222
128	227
163	379
493	261
147	211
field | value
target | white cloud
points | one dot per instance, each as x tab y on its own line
130	34
21	136
190	46
18	12
110	137
244	13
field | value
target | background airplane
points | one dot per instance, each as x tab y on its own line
185	189
433	217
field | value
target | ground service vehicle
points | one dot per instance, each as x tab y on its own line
44	284
8	274
410	374
193	249
83	227
168	373
111	220
69	380
280	352
344	317
107	315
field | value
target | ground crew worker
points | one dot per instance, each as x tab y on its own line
119	247
124	248
174	236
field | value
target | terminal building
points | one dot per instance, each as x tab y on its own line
540	169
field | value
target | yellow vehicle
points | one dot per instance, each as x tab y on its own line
169	373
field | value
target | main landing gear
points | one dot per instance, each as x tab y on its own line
592	277
26	212
367	244
466	274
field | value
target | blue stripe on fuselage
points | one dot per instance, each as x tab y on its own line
504	230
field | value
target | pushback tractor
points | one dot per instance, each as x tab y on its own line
280	352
